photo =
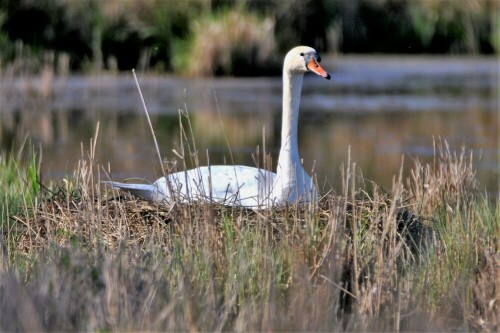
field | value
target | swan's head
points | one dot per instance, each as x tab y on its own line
302	59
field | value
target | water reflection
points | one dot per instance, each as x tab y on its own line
382	108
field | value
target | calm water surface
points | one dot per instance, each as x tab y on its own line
386	109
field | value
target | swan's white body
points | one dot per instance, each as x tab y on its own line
242	185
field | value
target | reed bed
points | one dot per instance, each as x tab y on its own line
231	43
422	256
94	35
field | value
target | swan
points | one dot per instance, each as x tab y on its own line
250	187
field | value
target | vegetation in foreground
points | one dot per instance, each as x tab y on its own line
423	256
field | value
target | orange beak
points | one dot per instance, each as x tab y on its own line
315	67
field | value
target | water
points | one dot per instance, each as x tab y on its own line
383	108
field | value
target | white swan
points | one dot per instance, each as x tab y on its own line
248	186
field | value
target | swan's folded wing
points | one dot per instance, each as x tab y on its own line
245	186
230	185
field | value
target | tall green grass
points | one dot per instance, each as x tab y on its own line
19	180
20	184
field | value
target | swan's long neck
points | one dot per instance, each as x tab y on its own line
290	172
292	87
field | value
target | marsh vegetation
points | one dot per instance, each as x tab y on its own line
235	37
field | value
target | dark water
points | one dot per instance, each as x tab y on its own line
383	108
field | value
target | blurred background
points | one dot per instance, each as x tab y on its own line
405	74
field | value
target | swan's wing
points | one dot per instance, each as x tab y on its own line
246	186
231	185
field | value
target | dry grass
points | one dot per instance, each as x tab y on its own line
230	43
423	257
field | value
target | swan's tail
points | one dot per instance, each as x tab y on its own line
145	191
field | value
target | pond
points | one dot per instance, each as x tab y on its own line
376	108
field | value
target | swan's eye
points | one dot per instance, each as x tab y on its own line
302	54
318	59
